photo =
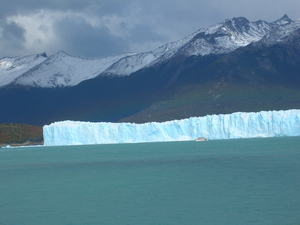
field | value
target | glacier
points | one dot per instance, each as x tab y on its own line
223	126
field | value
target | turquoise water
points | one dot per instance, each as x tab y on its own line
234	182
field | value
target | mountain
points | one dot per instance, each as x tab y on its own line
232	66
13	67
62	70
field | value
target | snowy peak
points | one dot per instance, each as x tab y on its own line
13	67
10	63
237	23
237	32
225	37
283	30
62	70
59	55
217	39
283	21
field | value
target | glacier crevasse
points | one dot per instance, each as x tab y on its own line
228	126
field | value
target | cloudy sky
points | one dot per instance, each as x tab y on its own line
99	28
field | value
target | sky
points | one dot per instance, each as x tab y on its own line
101	28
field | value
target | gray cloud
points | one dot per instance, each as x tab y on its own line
11	7
81	39
12	37
13	32
143	33
97	28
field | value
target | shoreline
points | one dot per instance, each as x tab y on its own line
27	143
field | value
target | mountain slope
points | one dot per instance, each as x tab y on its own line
62	70
13	67
249	79
262	75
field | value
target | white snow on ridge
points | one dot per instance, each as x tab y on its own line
220	38
280	34
61	70
226	37
229	40
229	126
13	67
133	63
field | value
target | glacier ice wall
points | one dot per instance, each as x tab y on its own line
235	125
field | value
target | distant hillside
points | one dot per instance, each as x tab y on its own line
20	134
232	66
249	79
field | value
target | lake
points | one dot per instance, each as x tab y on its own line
218	182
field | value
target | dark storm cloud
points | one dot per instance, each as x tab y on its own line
81	39
13	32
12	38
142	33
12	7
96	28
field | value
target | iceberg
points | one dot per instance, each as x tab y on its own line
223	126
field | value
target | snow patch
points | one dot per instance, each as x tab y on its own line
13	67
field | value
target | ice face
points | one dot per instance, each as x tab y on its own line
229	126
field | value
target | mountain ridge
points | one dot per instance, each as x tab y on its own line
61	69
260	76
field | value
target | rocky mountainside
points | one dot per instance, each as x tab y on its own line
62	70
233	66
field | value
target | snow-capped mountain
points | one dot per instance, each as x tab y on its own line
61	70
218	39
282	30
13	67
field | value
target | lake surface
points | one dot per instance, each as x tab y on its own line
218	182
